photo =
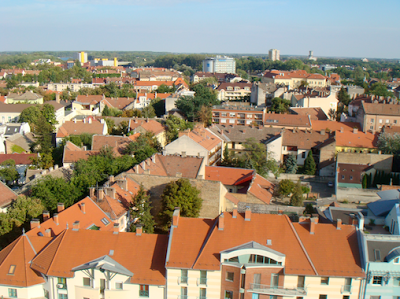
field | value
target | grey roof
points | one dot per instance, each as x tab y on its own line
25	96
104	263
382	207
389	194
12	129
253	245
16	108
379	250
23	141
231	133
335	213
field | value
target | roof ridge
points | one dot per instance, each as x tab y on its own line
162	164
11	249
301	244
209	233
61	236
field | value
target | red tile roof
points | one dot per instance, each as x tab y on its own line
79	127
98	141
318	125
149	125
7	195
74	248
361	140
282	120
20	159
381	109
203	137
229	175
315	113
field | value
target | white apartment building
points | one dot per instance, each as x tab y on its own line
219	64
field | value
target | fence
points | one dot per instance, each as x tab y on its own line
270	209
305	177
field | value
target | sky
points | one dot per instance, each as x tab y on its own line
352	28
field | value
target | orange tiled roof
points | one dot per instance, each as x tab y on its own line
92	216
303	139
262	189
119	103
19	253
292	120
74	248
149	125
381	109
92	99
7	195
319	125
98	141
79	127
203	137
229	175
152	96
20	159
360	139
315	113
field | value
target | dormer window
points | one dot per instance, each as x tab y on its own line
259	259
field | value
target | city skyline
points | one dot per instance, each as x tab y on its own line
355	29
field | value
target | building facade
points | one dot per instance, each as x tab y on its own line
274	54
219	64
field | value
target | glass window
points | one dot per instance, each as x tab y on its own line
183	292
144	290
396	281
119	285
323	296
396	260
11	270
184	276
86	282
203	277
377	280
62	283
203	293
12	293
229	276
325	280
300	282
380	121
228	295
62	296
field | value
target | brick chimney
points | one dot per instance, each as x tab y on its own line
91	192
247	214
339	224
60	207
110	192
46	215
100	194
111	179
313	223
123	184
139	229
83	208
355	130
116	228
75	226
221	222
175	216
47	232
55	218
235	212
35	223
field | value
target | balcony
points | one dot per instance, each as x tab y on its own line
143	293
182	280
202	281
276	290
346	289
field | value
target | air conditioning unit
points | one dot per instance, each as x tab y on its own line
60	285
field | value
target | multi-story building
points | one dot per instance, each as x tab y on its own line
373	116
274	54
219	64
294	79
238	115
81	56
234	91
327	101
258	255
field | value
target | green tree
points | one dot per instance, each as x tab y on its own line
365	181
24	209
279	105
149	112
297	195
143	147
389	143
180	194
49	114
309	164
159	106
291	164
30	115
174	125
8	172
285	187
140	211
343	96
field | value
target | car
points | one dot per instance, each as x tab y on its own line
330	184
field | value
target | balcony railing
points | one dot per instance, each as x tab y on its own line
202	281
346	289
182	279
143	293
183	297
276	290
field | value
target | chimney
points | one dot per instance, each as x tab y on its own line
75	226
139	229
175	216
83	208
91	192
339	224
74	120
116	228
221	222
183	154
57	98
111	179
55	218
46	215
90	120
247	214
47	233
341	130
355	130
110	192
35	223
322	132
123	184
84	120
100	194
60	207
235	211
313	223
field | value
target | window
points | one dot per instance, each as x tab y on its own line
342	177
87	282
377	280
396	260
303	155
351	177
62	296
105	221
396	281
257	280
183	292
300	282
62	283
377	254
346	297
11	270
232	114
231	121
229	276
259	259
325	280
144	290
380	121
387	121
203	277
119	285
184	276
203	293
274	280
12	293
228	295
395	121
323	296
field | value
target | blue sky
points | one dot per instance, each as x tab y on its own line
352	28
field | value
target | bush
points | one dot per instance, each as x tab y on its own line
285	187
